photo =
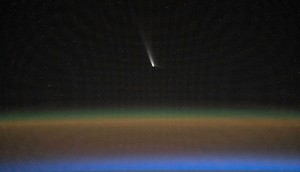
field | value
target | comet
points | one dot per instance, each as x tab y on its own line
150	55
148	49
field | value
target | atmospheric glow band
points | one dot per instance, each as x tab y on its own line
160	164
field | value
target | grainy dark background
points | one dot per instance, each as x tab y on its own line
82	53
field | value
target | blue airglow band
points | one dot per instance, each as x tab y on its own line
159	164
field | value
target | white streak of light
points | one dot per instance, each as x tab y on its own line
150	55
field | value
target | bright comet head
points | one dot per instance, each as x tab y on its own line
152	64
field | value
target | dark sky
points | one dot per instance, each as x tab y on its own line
93	53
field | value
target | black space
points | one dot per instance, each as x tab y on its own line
92	53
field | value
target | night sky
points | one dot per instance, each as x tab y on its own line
96	53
